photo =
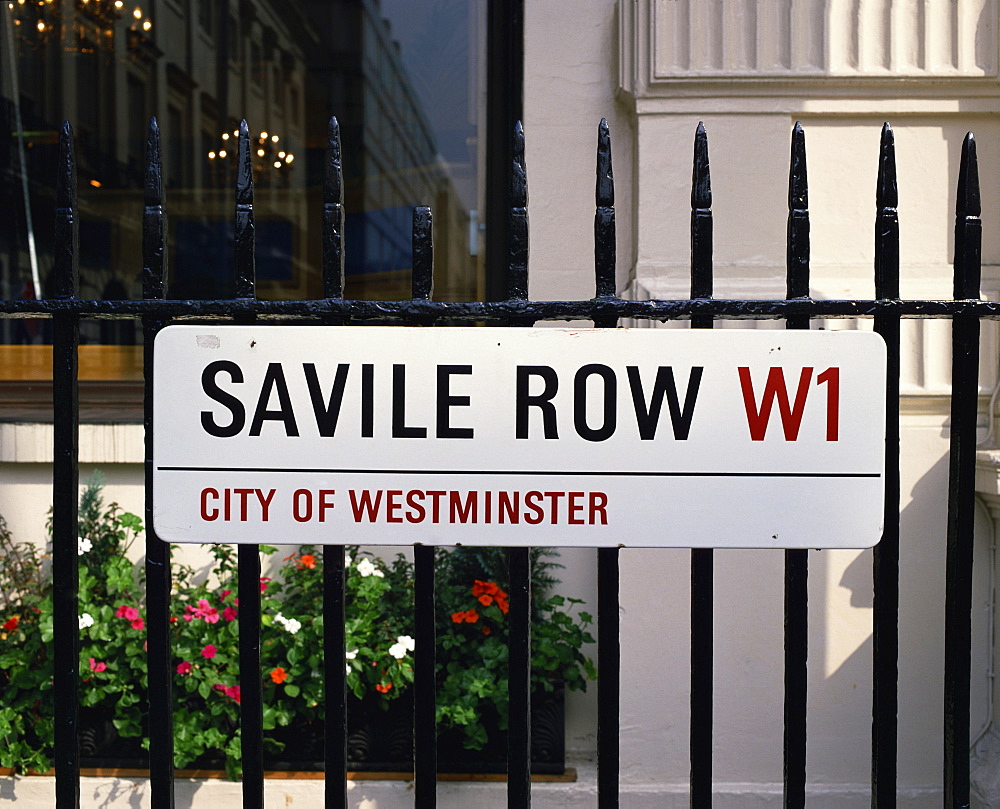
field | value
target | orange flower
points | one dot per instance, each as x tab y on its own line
307	560
279	675
502	602
487	630
468	617
383	689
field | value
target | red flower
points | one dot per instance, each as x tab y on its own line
225	593
383	689
307	560
263	583
96	666
209	651
173	619
232	691
229	614
279	675
11	623
138	623
184	667
469	617
127	612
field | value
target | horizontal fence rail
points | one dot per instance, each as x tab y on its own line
156	310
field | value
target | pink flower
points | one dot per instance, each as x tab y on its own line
232	691
263	583
206	611
184	667
127	612
138	623
208	652
229	614
96	666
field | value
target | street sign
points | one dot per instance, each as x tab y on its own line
520	436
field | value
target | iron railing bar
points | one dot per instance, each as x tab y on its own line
608	621
702	559
515	311
885	569
248	555
797	560
425	759
161	713
65	484
961	487
519	559
334	608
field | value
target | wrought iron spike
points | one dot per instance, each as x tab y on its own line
423	253
968	225
517	246
244	167
968	202
798	190
797	247
67	238
886	193
333	214
153	252
519	177
701	181
153	186
605	174
333	180
605	244
245	259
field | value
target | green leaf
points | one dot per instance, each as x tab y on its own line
292	690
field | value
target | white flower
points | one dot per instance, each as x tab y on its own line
83	546
352	654
403	644
366	568
86	620
378	574
290	624
347	560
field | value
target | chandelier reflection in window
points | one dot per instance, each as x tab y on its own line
270	161
85	26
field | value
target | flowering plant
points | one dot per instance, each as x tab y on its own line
204	617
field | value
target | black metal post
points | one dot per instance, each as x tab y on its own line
961	485
796	560
702	559
161	713
885	622
66	482
608	622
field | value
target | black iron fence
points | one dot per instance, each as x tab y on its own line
155	310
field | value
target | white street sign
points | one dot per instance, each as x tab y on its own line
493	436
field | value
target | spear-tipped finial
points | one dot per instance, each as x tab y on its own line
968	202
333	184
701	181
423	253
605	174
67	240
798	186
519	178
244	167
886	192
153	185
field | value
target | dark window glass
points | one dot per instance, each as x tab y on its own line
406	79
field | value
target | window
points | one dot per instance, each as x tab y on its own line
408	81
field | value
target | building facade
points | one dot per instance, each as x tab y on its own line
654	69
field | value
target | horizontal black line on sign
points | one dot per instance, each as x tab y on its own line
519	472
